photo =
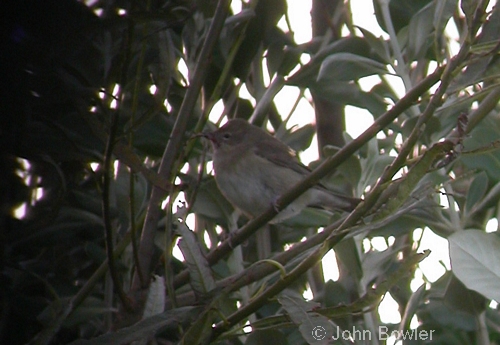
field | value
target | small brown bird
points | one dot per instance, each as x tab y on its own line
252	169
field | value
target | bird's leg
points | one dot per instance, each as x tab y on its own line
233	225
275	204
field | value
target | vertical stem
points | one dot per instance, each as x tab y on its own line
174	144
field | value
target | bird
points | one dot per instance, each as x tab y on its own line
253	169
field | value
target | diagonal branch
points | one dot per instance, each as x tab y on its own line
355	216
328	165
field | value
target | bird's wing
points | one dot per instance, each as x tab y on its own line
280	154
277	152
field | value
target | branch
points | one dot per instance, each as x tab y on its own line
175	142
328	165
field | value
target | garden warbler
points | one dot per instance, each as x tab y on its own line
252	169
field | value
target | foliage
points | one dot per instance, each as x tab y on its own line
97	127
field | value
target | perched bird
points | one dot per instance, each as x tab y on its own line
252	169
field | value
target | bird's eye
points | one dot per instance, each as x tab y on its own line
226	136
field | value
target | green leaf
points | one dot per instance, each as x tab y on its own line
468	8
350	169
267	14
475	261
307	75
266	336
411	307
377	44
151	137
200	331
375	264
482	136
168	321
476	192
95	252
312	325
348	66
444	316
465	300
347	253
419	32
335	294
200	273
211	203
274	57
308	217
121	189
350	93
372	166
443	12
299	139
401	12
281	58
436	312
155	302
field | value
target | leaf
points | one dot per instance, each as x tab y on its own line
200	330
350	93
475	261
443	12
350	168
121	189
348	66
446	317
336	294
155	302
475	72
490	199
308	217
89	309
200	273
476	192
375	264
307	75
281	58
401	12
211	203
411	307
347	253
436	311
483	135
151	137
419	32
266	336
299	139
377	44
95	252
460	298
274	57
267	14
170	320
312	325
372	166
405	186
468	8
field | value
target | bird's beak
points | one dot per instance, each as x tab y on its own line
208	135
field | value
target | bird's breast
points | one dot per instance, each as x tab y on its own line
252	183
